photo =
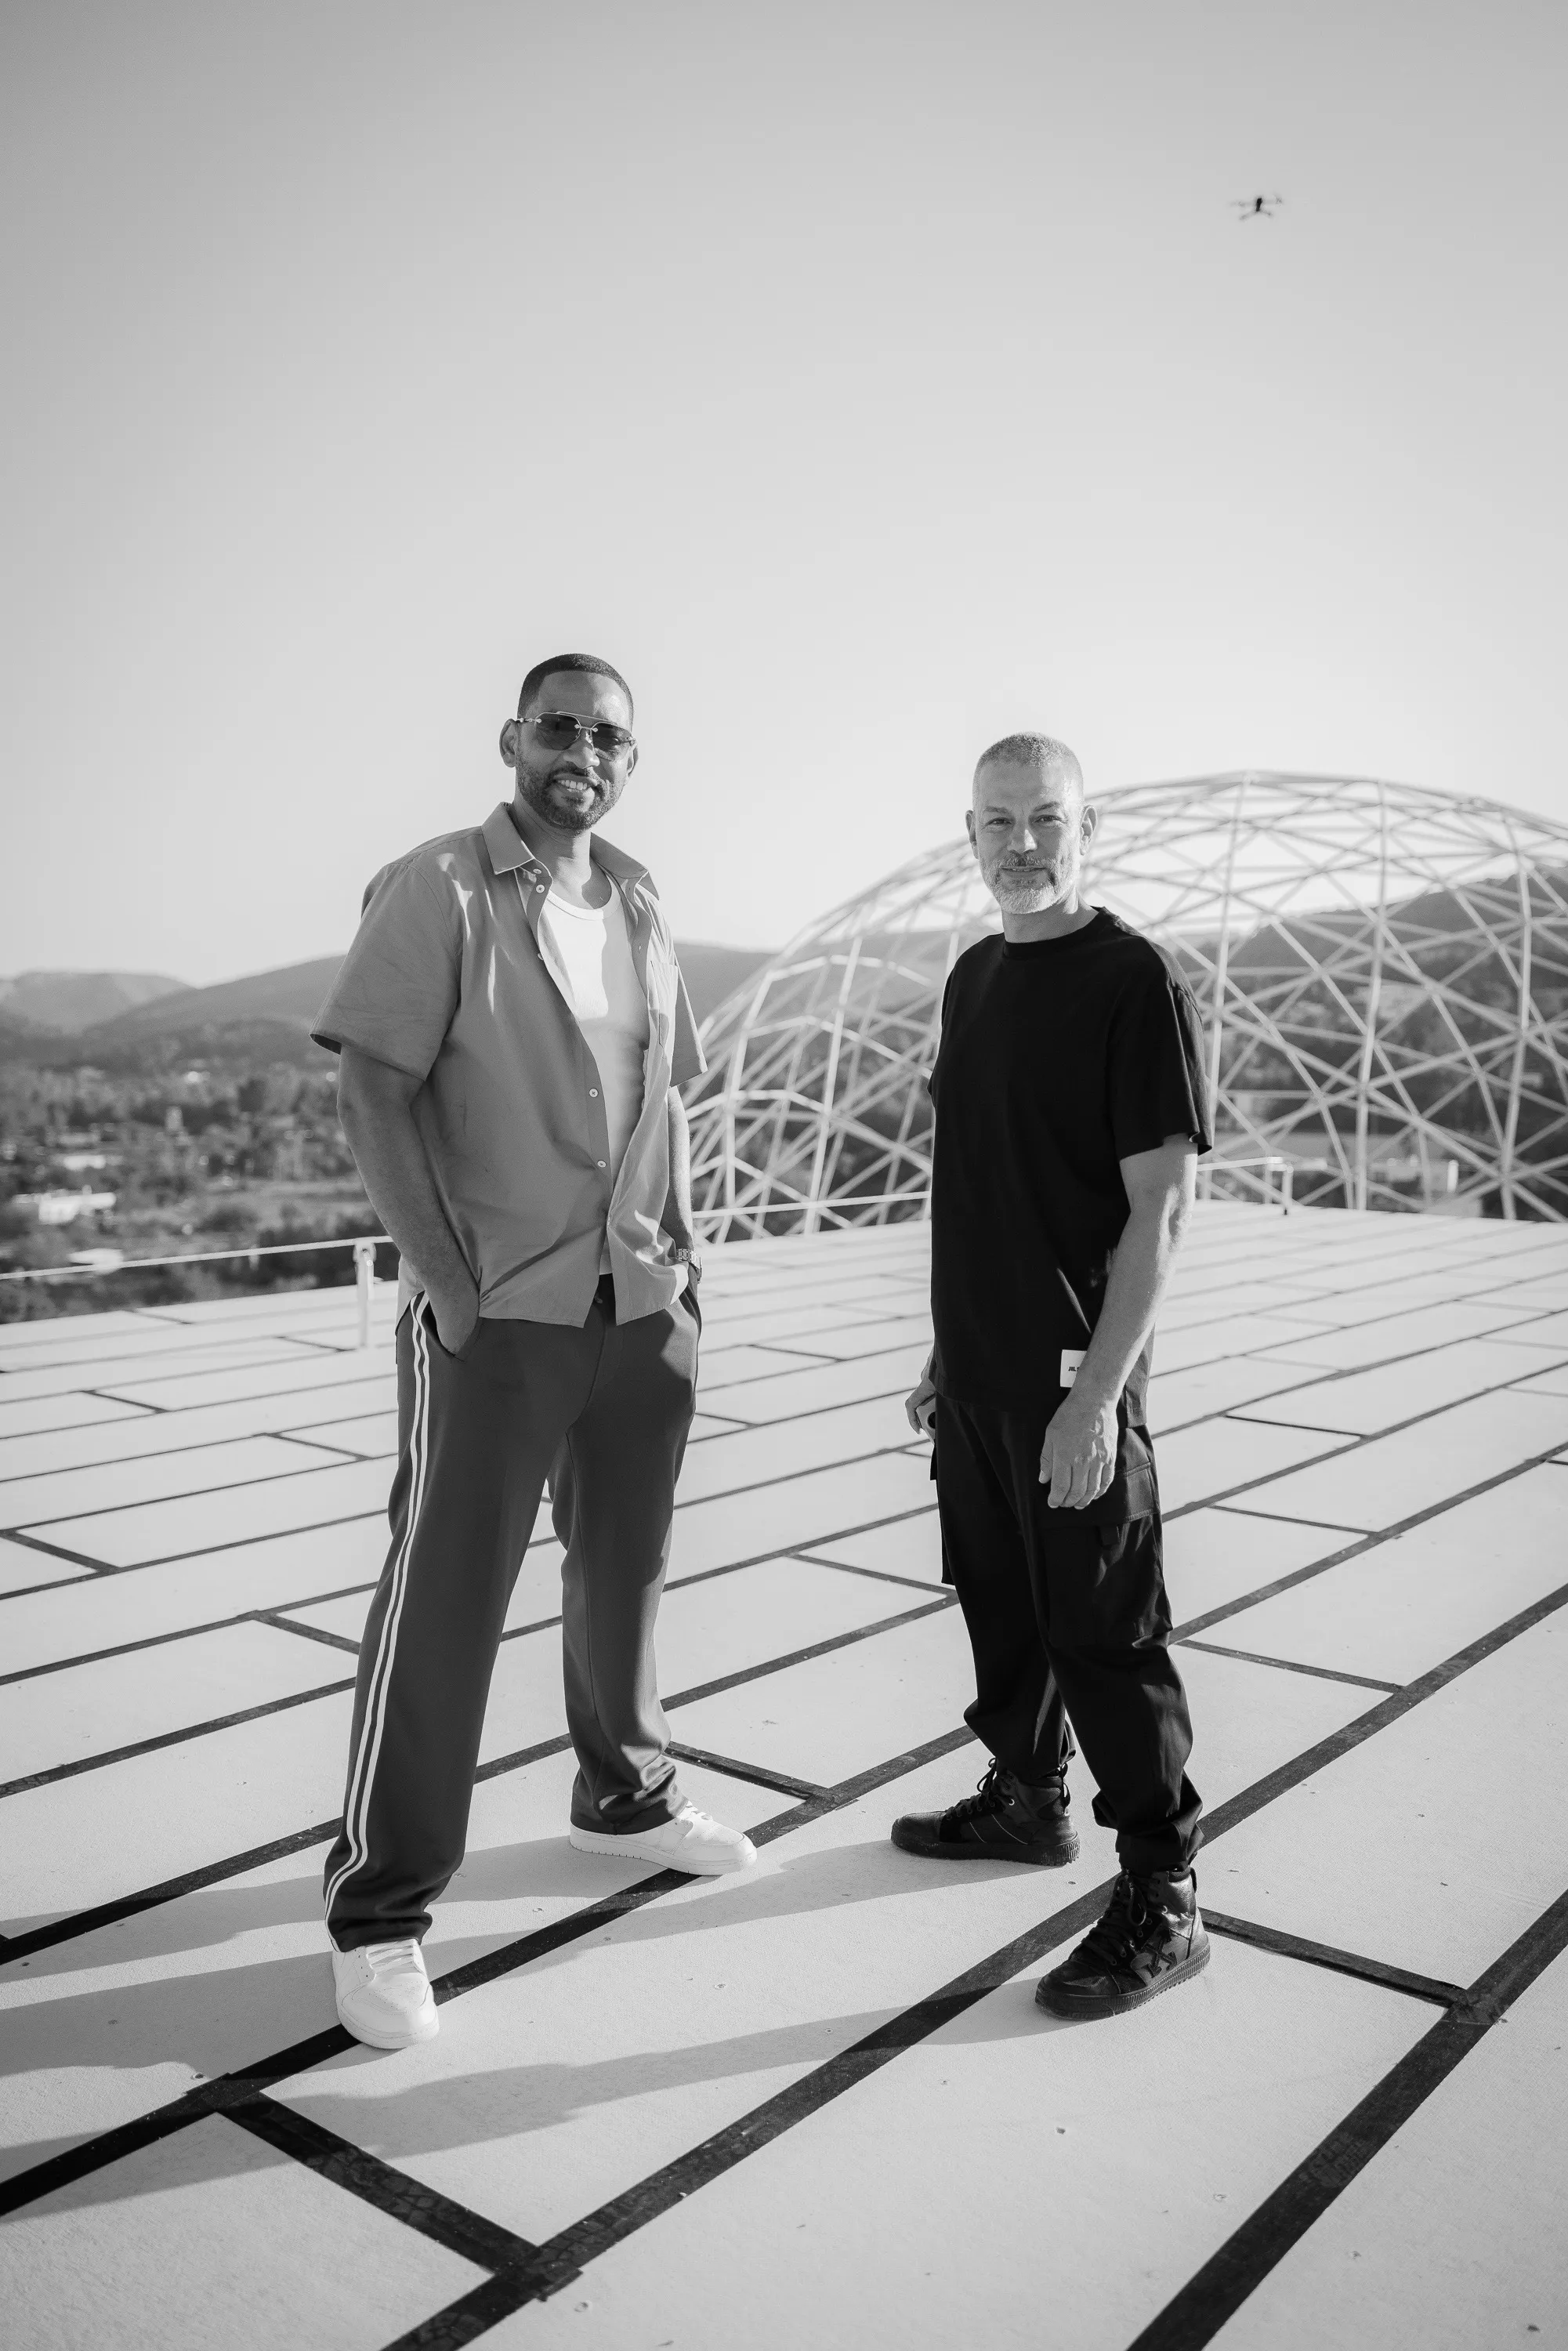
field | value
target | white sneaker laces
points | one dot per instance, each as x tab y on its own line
393	1959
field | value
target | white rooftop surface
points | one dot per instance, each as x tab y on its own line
818	2104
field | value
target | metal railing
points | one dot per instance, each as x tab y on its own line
1270	1163
364	1246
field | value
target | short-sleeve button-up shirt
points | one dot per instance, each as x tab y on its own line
449	980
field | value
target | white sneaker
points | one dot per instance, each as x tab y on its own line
692	1841
384	1994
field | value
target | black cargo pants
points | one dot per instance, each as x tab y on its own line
1070	1625
603	1412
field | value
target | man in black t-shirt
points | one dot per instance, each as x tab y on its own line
1069	1092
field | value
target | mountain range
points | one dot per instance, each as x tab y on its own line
131	1022
73	1001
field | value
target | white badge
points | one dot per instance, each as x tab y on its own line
1072	1357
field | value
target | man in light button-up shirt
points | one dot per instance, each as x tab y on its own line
548	1324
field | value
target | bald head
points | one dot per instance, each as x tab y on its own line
1040	752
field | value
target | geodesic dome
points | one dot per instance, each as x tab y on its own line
1382	972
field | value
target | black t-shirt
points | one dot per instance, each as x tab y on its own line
1058	1060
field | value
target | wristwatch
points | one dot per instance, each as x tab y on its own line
690	1259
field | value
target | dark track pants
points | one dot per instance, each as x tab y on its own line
1070	1625
604	1411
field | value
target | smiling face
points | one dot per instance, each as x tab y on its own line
573	789
1029	828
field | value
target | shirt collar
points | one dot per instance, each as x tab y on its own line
509	853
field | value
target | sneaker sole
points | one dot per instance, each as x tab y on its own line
929	1850
596	1841
1066	2006
388	2040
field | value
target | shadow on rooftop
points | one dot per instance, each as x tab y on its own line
208	2020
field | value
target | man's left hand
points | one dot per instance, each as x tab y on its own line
1078	1459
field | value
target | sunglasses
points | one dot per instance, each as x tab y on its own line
558	731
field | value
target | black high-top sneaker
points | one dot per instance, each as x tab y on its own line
1151	1937
1004	1820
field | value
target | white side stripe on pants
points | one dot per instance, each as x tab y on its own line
356	1808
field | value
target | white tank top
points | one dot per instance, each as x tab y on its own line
589	952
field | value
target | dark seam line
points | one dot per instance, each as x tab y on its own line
1331	1452
764	1347
540	1624
811	1412
871	1526
198	1346
779	1781
550	1747
338	1453
1238	1808
1292	1665
1193	2316
1279	1518
789	1476
109	2147
1245	1408
816	1649
357	1518
287	1478
1239	1412
342	1455
192	1493
207	1551
255	1395
805	1357
585	2240
60	1427
877	1574
562	1741
366	2175
501	1763
57	1551
273	1615
461	2322
1327	1955
131	1355
130	1905
77	1923
1356	1550
281	1624
1331	1331
1186	1632
148	1640
167	1738
31	1591
790	1372
172	1452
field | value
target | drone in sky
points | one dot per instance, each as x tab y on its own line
1256	207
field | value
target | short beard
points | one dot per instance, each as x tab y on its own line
1028	893
564	818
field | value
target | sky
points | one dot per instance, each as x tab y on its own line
865	380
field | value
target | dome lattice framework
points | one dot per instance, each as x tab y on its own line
1382	973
